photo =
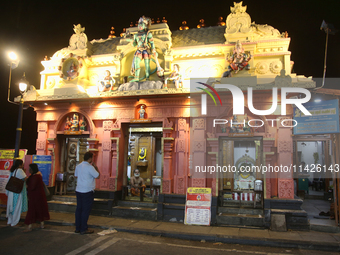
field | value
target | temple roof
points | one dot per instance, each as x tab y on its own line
180	38
198	36
105	47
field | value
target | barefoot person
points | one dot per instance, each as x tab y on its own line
37	202
137	182
86	173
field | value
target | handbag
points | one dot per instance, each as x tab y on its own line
15	184
47	192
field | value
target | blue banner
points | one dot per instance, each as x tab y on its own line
324	118
44	163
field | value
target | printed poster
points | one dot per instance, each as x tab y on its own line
44	163
6	162
198	206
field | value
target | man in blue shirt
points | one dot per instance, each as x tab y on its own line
86	173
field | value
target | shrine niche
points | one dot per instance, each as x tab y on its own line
141	115
243	154
143	157
74	124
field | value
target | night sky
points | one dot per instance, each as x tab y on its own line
34	29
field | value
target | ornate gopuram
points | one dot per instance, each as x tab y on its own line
133	101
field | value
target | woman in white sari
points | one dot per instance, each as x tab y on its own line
16	203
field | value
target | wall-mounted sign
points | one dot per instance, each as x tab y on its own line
198	206
6	162
44	163
324	118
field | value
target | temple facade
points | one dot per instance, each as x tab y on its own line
89	100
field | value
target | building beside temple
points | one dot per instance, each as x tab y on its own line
88	101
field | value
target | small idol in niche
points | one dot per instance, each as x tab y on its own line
83	124
67	124
141	112
75	122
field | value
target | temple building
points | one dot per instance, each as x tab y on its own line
133	101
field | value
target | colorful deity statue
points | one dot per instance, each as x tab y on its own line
238	61
142	154
75	122
141	112
174	76
107	83
83	124
67	124
144	41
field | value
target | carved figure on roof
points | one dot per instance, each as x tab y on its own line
174	76
107	83
144	41
238	20
238	61
79	39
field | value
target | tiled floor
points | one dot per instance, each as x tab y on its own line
314	206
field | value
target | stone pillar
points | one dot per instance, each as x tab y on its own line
198	150
117	159
106	155
181	168
213	161
167	184
285	149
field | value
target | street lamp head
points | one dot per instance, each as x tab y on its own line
14	59
12	55
23	84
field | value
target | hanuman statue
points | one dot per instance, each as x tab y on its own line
145	48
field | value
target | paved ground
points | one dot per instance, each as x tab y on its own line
243	236
56	239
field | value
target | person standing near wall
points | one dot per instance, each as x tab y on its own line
37	202
16	202
86	173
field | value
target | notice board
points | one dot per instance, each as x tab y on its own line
198	206
44	163
6	162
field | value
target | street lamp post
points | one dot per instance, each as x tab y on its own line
22	86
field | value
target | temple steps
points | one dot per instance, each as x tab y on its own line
240	219
68	203
236	210
135	210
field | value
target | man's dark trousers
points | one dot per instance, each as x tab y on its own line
84	206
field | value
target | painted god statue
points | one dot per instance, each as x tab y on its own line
83	124
68	124
107	83
144	41
238	61
174	76
142	154
141	112
75	122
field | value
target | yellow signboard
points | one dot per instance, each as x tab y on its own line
199	190
9	154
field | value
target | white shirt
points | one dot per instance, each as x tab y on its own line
86	174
